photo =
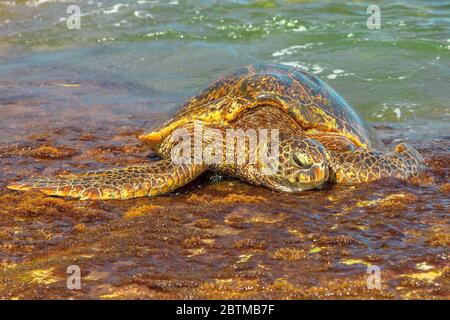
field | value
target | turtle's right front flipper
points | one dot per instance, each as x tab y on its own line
123	183
364	166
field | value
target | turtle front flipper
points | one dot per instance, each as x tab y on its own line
364	166
123	183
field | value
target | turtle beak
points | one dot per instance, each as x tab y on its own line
306	179
315	175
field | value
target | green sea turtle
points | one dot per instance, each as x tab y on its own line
319	139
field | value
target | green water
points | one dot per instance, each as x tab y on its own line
154	54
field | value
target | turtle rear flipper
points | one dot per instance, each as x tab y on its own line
409	152
123	183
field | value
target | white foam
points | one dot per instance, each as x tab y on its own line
122	22
332	76
291	50
109	39
35	3
317	69
143	15
300	29
147	1
295	64
115	8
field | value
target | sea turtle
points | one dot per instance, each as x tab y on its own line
319	139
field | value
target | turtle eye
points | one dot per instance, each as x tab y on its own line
302	160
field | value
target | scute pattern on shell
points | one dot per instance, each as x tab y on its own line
307	99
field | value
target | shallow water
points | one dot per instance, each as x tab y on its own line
89	92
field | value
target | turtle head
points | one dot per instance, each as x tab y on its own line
302	165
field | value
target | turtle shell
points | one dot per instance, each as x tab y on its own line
313	104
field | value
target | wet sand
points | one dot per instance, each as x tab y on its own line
215	238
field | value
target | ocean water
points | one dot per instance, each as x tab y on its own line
153	54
